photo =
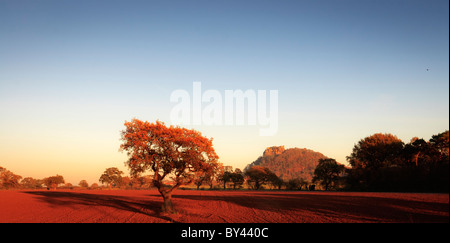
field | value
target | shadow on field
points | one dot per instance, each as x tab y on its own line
70	199
364	208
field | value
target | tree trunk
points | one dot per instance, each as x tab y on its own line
167	196
168	206
166	193
257	185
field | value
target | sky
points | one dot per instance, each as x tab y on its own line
72	72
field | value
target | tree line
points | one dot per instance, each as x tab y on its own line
9	180
175	156
380	162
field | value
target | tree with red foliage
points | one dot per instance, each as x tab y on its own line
174	152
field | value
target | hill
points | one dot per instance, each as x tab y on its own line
289	163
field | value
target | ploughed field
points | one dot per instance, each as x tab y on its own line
221	206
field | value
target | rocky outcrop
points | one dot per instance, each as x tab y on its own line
275	150
289	163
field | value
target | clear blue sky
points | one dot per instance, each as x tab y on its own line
71	73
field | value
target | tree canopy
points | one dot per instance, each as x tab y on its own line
382	162
258	176
376	151
328	172
112	176
8	179
53	181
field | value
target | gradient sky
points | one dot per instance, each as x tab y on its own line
72	72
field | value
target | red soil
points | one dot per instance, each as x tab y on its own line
222	207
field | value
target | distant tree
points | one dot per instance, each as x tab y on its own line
258	176
31	183
275	181
437	167
440	145
215	175
53	181
293	184
304	183
68	186
237	178
8	179
416	151
204	176
224	178
376	151
297	184
94	186
373	159
83	183
328	172
126	183
112	177
425	154
382	162
147	181
167	152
